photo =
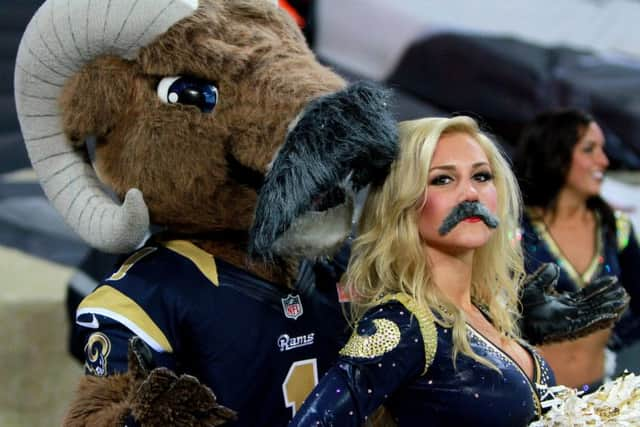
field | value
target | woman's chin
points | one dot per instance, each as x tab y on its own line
461	247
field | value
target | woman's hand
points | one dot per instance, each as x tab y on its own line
548	316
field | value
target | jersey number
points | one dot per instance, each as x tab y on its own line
301	379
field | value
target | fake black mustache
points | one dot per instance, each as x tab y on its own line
467	210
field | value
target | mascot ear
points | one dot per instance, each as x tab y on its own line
94	100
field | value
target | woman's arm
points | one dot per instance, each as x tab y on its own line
390	346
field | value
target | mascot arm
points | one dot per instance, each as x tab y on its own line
102	397
123	387
360	382
548	316
99	402
145	397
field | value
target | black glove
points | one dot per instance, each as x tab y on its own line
162	398
548	316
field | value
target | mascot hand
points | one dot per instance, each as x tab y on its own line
162	398
548	316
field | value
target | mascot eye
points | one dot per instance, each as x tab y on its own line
188	91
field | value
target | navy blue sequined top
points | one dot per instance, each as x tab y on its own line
617	257
400	357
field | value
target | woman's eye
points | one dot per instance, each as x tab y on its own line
483	176
440	180
188	91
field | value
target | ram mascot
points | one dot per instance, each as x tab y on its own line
211	123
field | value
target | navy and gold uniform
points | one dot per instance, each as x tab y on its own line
260	347
401	357
618	256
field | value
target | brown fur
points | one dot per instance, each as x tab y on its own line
99	402
104	401
165	399
184	180
154	398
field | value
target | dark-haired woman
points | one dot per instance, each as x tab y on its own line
560	162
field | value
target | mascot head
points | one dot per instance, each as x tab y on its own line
211	119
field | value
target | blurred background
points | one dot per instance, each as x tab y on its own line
500	62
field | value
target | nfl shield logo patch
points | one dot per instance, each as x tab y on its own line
292	306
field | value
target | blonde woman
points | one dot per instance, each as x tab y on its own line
434	279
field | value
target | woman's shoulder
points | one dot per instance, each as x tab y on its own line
394	325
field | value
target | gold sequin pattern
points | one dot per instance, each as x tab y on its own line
594	267
427	327
385	339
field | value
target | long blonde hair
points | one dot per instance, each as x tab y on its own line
388	255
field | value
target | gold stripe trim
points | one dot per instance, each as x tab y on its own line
505	356
129	262
427	324
591	271
110	299
537	367
203	260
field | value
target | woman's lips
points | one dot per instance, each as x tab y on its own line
473	219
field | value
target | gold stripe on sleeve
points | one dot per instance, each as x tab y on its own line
109	302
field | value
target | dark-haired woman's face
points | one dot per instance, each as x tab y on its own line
588	163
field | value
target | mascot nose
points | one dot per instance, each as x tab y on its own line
350	131
344	140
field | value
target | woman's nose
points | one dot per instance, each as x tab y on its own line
602	159
469	192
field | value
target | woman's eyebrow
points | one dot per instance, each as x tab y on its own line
454	167
446	167
593	142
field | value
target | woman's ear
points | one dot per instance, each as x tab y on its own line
95	99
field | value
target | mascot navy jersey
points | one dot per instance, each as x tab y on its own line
204	317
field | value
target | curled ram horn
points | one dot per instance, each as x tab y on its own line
60	39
